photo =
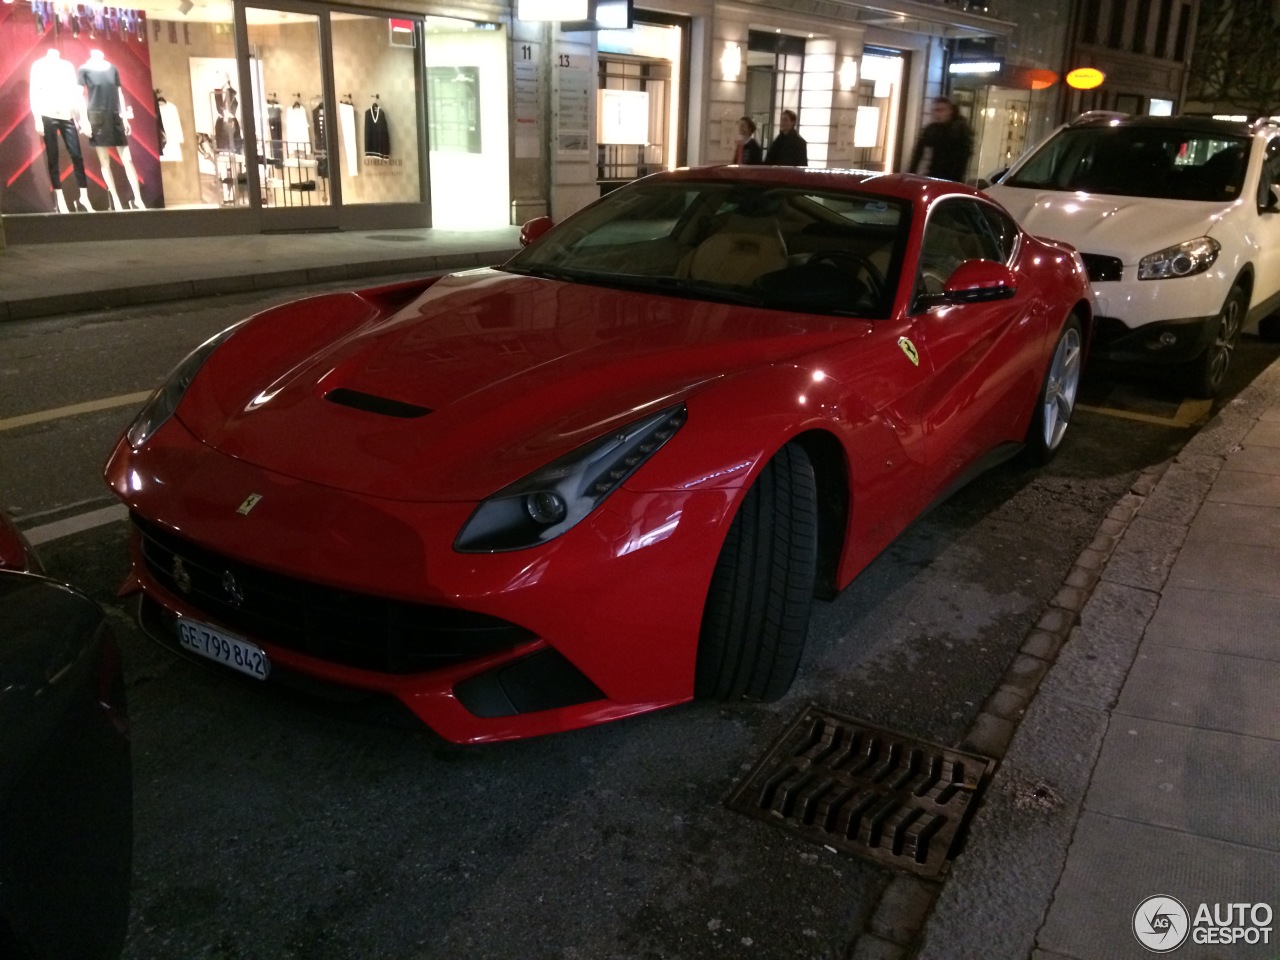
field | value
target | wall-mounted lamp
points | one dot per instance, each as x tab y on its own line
731	61
848	74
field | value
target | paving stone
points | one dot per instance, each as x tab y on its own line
1254	459
899	916
1042	644
1082	578
1174	776
1145	554
1212	691
1238	522
1229	567
1264	434
1217	622
1115	864
1182	490
1235	486
1070	598
990	735
1093	663
1007	703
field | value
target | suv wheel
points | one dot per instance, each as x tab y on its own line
1209	371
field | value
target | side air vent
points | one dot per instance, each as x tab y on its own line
370	403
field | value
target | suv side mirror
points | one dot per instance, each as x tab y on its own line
535	228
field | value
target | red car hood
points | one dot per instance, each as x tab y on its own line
507	373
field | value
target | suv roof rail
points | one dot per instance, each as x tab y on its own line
1093	116
1263	122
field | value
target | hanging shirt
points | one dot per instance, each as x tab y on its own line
297	128
173	137
377	136
54	92
347	126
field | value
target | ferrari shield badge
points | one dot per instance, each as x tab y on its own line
250	502
907	346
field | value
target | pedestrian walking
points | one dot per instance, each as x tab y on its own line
948	141
747	149
788	149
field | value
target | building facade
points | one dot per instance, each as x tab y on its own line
225	117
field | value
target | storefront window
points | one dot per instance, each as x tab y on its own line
127	109
284	60
105	97
637	101
377	111
467	123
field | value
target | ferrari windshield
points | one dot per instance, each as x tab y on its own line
1137	161
757	244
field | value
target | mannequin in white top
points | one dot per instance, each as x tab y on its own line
106	117
55	105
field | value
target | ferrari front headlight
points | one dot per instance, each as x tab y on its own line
1180	260
555	498
160	406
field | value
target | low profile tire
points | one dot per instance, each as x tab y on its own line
1057	398
1208	371
757	613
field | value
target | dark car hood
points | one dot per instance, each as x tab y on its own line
507	372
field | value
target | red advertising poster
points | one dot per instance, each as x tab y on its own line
77	110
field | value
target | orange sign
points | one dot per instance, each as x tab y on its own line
1085	78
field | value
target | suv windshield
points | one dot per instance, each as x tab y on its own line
758	244
1136	161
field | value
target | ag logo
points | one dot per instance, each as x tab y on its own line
1161	924
909	349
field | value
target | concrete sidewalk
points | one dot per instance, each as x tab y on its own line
40	280
1148	764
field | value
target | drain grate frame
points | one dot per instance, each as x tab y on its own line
865	790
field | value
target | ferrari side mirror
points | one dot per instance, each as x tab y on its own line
535	228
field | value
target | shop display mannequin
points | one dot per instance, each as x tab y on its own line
55	102
107	117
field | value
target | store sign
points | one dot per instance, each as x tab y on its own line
622	116
533	11
402	33
1085	78
972	68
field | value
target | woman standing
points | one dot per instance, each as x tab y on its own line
748	149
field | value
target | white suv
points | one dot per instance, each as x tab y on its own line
1178	224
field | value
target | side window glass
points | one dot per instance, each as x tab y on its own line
957	231
1003	229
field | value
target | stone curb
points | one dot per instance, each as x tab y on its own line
147	293
898	919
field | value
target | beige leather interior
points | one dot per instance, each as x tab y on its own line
739	253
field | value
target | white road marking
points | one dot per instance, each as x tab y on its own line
75	409
76	524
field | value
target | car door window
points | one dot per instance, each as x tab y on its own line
957	231
1269	181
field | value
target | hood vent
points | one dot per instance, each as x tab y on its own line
370	403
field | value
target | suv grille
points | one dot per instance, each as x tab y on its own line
358	630
1102	268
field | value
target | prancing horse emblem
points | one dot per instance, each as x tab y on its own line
250	502
908	348
233	590
180	575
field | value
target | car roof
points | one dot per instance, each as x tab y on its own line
902	186
1190	124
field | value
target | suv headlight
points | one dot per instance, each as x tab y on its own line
1182	260
164	401
553	499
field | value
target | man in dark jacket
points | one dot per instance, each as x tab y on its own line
949	142
788	149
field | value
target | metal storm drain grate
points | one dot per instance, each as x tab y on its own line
863	790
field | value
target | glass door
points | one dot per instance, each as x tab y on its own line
291	116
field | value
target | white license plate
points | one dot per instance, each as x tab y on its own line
238	654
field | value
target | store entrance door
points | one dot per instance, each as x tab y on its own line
290	144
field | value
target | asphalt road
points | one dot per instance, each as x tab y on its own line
273	827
